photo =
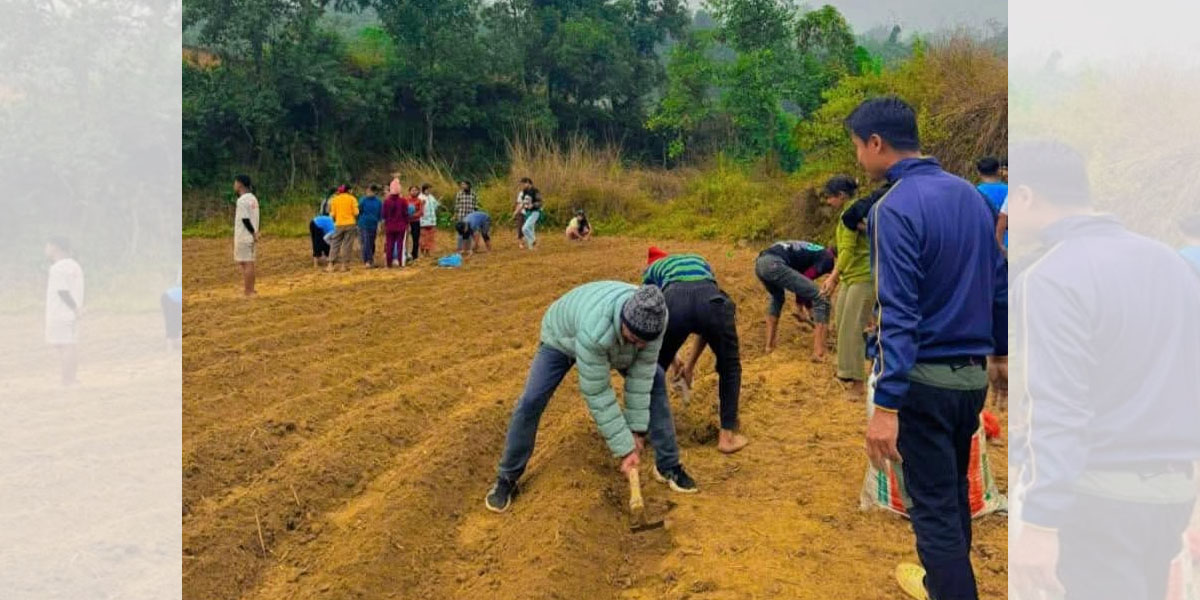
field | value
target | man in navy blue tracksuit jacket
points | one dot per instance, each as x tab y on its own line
941	284
1106	427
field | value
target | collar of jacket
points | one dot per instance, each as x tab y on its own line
910	166
1066	229
1079	226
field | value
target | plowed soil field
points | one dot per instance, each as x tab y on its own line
341	430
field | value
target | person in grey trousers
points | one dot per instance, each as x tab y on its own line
794	266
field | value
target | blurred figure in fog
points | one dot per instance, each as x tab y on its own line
1104	427
1190	226
172	310
64	306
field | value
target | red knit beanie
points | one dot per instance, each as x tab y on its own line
655	254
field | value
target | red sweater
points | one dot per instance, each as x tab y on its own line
395	214
418	207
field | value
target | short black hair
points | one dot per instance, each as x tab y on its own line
425	187
1055	171
466	183
988	166
841	184
374	188
527	180
61	243
891	118
243	179
1190	225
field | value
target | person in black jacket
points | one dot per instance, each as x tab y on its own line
855	217
1106	425
794	266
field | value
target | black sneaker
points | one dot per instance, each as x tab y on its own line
500	496
677	479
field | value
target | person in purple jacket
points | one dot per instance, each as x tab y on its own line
941	302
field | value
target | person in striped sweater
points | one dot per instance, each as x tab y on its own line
697	305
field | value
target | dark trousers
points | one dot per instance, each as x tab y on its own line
320	246
172	317
703	309
366	236
1114	549
547	371
936	426
414	230
394	246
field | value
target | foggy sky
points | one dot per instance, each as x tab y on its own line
922	15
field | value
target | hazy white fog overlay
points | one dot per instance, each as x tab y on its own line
1105	310
90	155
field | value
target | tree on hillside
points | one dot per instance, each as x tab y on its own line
829	53
437	56
687	105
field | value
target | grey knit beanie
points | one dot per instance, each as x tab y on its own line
645	313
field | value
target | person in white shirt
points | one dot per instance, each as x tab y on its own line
245	231
428	219
64	305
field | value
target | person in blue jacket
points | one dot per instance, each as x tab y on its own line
319	229
992	185
1106	426
370	213
941	308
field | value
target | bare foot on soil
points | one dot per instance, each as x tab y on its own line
729	442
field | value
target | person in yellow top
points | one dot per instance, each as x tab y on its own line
852	271
343	208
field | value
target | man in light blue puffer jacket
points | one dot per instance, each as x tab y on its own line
600	326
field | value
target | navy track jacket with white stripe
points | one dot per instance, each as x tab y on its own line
941	280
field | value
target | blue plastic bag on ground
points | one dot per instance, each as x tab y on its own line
452	261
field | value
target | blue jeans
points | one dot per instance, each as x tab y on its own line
548	369
528	230
366	237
